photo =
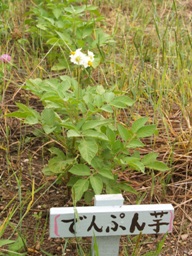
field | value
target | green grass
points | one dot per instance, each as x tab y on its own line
151	60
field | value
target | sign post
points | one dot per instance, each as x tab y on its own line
110	245
108	220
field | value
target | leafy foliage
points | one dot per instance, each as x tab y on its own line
92	144
65	25
79	115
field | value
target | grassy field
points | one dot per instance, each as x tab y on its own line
143	49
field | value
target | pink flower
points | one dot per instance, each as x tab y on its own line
5	58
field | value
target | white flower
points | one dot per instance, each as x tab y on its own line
87	62
91	56
90	59
82	59
77	57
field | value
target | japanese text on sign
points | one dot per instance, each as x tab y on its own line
104	221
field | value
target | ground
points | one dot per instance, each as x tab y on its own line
26	167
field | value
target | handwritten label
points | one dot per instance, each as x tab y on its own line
111	220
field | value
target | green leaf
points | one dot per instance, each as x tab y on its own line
67	125
112	189
50	20
72	180
111	135
52	100
58	67
97	184
122	102
138	124
158	166
88	196
58	152
35	86
98	163
30	115
6	242
95	134
124	132
149	158
88	150
109	96
107	108
61	65
135	143
57	12
48	129
57	165
80	170
48	119
98	101
127	188
53	41
106	173
117	146
95	123
135	163
73	133
17	246
75	9
41	26
101	38
96	62
100	89
79	188
146	131
64	36
47	171
160	244
91	8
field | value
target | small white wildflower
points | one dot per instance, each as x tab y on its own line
80	58
77	57
91	55
90	58
86	62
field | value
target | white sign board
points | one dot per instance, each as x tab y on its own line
108	220
111	220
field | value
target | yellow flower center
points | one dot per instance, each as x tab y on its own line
78	59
